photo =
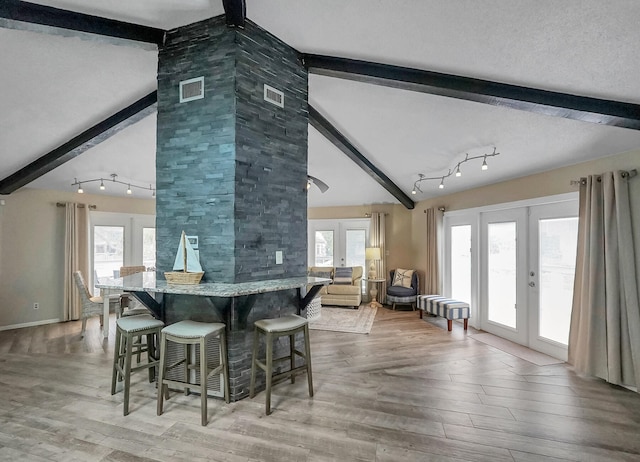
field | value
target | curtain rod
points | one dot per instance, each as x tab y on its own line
80	206
625	174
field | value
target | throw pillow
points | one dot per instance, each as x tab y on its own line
402	278
320	274
343	275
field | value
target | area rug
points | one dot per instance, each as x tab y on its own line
345	320
535	357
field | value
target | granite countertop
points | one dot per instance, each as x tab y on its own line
148	282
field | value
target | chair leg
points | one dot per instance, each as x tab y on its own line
161	372
187	358
252	384
84	327
307	358
127	371
203	380
269	372
449	324
225	369
292	357
466	323
116	361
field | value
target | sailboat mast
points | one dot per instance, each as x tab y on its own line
184	251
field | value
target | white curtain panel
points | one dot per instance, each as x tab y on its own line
76	257
376	239
604	339
432	276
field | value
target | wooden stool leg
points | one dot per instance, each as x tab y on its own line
203	380
127	370
161	372
449	324
466	323
307	358
292	357
187	358
116	361
225	368
252	385
269	371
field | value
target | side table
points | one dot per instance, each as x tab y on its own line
373	291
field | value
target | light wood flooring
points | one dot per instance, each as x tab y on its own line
409	390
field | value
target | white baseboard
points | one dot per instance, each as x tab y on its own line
30	324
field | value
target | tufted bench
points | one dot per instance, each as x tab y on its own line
446	307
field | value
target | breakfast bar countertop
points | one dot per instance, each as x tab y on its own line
148	282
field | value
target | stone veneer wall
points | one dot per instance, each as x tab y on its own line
231	168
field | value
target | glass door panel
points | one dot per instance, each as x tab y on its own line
355	247
149	247
108	251
461	263
553	232
501	274
503	277
324	249
557	264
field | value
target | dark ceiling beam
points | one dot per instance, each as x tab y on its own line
600	111
81	143
326	128
32	13
235	12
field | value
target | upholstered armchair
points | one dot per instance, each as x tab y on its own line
403	287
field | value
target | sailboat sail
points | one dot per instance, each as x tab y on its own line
192	264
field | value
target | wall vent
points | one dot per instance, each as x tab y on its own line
191	89
273	96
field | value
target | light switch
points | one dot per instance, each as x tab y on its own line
278	257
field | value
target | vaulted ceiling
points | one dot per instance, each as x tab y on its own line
56	84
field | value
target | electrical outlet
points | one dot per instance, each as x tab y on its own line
278	257
36	306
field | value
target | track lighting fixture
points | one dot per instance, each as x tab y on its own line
456	169
114	179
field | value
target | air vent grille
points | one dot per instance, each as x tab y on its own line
273	96
191	89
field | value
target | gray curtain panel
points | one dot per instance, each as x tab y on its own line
76	257
604	339
377	239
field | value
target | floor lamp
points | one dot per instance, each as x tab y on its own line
373	254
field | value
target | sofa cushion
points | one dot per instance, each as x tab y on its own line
342	275
402	278
343	289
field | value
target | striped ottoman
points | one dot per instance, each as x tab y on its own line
446	307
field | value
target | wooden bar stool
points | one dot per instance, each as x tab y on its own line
128	330
191	333
273	329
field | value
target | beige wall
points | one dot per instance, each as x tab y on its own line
31	250
32	230
406	229
539	185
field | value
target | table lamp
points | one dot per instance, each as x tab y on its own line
372	254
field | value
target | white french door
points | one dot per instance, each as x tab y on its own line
515	266
528	265
553	236
337	242
503	282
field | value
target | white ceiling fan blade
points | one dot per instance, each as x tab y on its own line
322	186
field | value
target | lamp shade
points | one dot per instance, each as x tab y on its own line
372	253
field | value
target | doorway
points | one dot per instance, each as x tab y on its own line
337	242
515	265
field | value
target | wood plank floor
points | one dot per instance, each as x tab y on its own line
409	390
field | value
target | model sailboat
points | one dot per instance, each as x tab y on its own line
186	268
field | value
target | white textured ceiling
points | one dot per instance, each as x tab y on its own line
53	87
